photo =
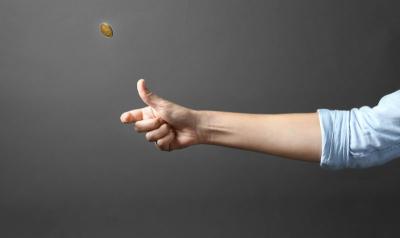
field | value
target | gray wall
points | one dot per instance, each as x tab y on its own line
68	168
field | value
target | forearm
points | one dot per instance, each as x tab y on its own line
295	136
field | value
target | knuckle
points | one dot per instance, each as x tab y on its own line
159	121
164	126
158	146
162	144
171	134
148	136
149	94
163	104
155	123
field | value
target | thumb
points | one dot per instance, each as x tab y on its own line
147	96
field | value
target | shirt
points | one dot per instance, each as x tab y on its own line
361	137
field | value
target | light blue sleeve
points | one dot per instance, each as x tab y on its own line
361	137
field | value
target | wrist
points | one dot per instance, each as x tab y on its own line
202	126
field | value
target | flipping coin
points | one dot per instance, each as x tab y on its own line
106	30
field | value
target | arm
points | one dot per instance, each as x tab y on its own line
357	138
295	136
361	137
172	126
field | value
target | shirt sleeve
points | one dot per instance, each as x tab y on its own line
361	137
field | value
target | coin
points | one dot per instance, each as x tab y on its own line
106	30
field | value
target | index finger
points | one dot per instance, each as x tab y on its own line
132	116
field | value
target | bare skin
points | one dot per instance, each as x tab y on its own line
171	126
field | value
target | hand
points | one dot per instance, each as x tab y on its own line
170	125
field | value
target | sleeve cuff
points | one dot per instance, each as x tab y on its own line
335	138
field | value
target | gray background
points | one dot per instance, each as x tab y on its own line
68	168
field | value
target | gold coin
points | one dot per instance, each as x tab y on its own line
106	29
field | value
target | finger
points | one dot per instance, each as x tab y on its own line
158	133
165	142
148	124
147	96
132	116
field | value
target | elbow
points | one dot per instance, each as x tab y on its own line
358	138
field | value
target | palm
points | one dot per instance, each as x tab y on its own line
179	119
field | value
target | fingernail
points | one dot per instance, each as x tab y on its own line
123	117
